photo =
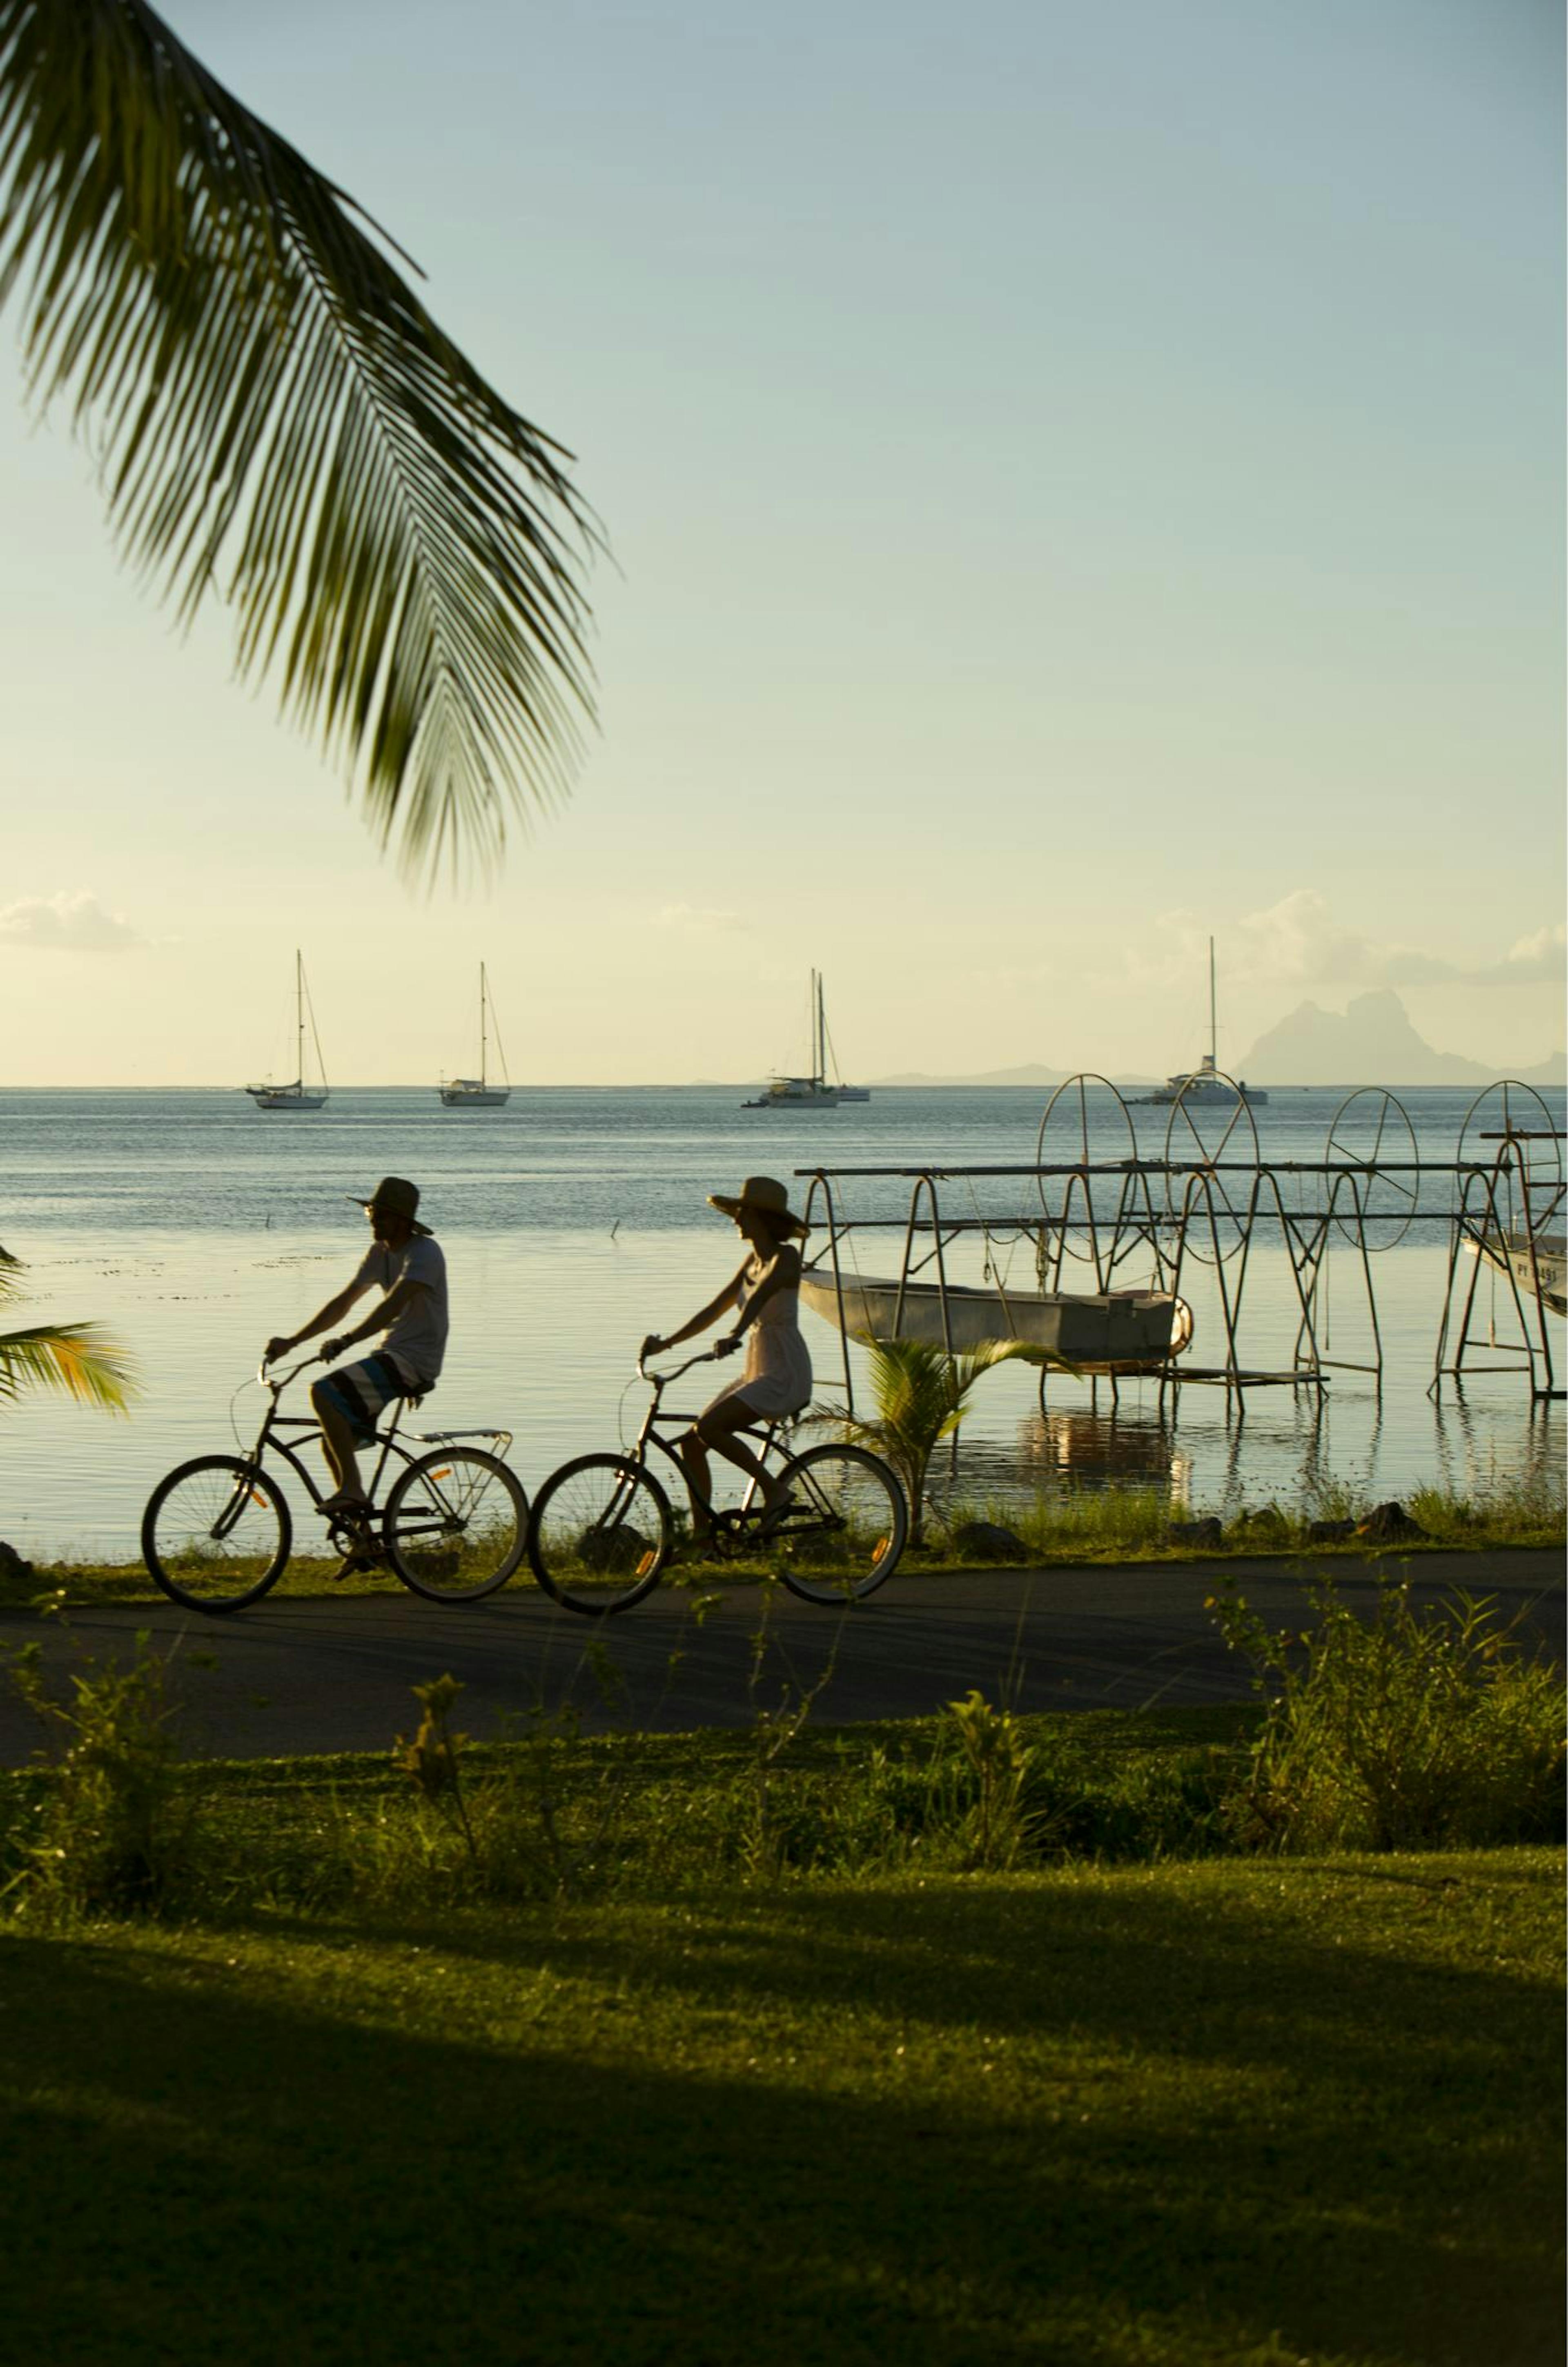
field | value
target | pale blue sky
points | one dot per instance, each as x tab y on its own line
1079	479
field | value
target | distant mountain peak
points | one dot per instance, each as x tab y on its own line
1372	1042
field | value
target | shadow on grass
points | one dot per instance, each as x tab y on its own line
637	2134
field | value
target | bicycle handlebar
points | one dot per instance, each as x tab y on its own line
278	1382
661	1380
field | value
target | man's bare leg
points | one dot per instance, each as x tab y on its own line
337	1445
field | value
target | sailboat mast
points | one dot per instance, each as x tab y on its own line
299	1016
482	1024
1214	1032
821	1033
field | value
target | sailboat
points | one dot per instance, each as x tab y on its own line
1203	1087
478	1093
298	1095
815	1092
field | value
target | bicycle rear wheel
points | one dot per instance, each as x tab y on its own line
215	1533
600	1535
456	1525
842	1538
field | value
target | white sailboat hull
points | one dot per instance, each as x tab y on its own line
1118	1330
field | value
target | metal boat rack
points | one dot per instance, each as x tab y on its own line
1191	1215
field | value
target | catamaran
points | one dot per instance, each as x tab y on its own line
815	1092
478	1093
298	1095
1203	1087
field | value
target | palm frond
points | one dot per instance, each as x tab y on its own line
76	1359
280	423
10	1267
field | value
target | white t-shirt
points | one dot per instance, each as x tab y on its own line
418	1336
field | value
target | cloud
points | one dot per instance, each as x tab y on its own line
1542	955
1298	944
696	920
66	923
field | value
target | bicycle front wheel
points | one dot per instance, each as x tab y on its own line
456	1525
842	1538
215	1533
600	1535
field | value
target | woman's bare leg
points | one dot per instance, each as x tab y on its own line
716	1429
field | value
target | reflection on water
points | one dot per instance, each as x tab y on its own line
1096	1451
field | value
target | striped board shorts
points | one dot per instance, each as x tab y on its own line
361	1392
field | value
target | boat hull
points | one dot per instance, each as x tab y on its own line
271	1097
1540	1266
460	1096
1096	1331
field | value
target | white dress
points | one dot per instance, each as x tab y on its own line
776	1378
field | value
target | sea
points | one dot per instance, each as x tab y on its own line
192	1225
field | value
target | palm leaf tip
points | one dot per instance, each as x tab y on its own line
281	422
76	1360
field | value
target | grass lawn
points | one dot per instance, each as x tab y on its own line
1259	2111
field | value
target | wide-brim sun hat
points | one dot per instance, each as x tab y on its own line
397	1195
763	1192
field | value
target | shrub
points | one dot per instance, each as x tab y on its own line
1417	1729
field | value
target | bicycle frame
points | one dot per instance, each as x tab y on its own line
649	1435
269	1442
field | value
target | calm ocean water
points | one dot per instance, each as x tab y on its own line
575	1221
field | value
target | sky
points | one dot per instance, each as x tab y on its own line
1078	481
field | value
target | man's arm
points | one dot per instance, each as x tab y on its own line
396	1302
333	1312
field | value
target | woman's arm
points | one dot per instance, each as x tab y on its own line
729	1297
780	1272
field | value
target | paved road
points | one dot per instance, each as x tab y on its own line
320	1676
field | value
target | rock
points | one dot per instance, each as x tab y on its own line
616	1551
1323	1533
1206	1532
12	1564
1388	1524
1266	1525
989	1541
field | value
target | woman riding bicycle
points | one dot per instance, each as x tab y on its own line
776	1380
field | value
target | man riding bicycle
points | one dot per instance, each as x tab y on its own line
406	1262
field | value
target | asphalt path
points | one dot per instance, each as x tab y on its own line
317	1675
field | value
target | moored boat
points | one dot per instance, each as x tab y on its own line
817	1090
1114	1330
297	1094
1203	1087
1537	1262
481	1092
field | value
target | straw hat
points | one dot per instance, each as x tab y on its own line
763	1192
398	1197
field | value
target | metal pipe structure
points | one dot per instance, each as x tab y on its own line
1500	1200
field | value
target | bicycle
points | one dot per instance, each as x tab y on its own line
218	1532
602	1530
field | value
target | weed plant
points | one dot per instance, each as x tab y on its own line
1418	1727
111	1828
